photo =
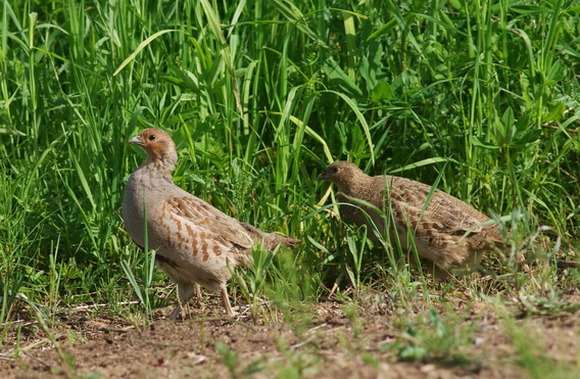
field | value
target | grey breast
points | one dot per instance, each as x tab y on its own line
132	210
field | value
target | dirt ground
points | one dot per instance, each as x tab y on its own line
331	344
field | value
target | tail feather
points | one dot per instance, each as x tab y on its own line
486	239
270	240
273	240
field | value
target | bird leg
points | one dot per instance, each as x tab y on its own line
198	296
226	300
184	293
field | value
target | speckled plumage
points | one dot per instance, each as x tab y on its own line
195	243
447	231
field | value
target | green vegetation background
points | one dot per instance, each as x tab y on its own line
260	96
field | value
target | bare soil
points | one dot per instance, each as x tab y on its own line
327	345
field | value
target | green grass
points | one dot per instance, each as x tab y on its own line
530	352
430	338
481	97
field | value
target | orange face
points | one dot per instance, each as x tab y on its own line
154	141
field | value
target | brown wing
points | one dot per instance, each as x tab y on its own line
189	227
442	214
210	219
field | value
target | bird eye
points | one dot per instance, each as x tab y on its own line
152	137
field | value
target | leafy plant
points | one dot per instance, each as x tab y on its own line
429	338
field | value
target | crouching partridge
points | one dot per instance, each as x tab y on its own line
446	230
195	243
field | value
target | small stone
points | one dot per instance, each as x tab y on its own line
195	358
427	368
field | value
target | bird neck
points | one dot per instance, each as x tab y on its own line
354	185
162	166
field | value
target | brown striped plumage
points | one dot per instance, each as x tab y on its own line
447	231
195	243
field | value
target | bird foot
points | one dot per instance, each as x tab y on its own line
231	315
177	314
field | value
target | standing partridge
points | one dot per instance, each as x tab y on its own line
446	230
195	243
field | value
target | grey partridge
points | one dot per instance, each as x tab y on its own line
446	230
195	243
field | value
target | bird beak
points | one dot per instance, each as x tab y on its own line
136	141
323	175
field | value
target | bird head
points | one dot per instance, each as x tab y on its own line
341	173
158	145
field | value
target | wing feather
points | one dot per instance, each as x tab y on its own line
215	222
443	215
